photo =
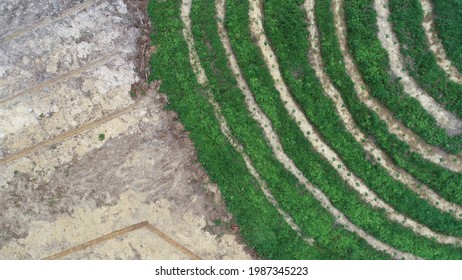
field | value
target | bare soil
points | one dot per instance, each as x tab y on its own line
85	146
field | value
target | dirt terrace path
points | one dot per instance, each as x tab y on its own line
273	140
429	152
203	80
353	181
397	173
436	45
444	118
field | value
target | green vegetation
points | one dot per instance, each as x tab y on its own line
406	17
286	37
263	228
260	224
441	180
101	136
292	197
319	172
448	18
372	62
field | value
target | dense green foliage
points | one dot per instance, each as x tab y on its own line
260	223
372	62
293	198
448	18
317	171
443	181
286	31
406	17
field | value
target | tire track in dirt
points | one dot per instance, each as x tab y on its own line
172	242
146	225
445	119
69	134
93	64
435	44
315	58
275	144
367	195
427	151
47	21
96	241
203	81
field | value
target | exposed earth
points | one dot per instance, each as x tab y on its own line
91	165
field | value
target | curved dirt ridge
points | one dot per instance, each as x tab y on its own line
447	120
203	81
397	173
356	183
273	140
417	144
435	44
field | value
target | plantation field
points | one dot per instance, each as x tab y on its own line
332	128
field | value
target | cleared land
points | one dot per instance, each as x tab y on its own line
92	167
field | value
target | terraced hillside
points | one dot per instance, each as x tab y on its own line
333	128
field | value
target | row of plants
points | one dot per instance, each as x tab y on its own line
448	18
317	171
372	62
406	17
261	225
445	182
286	31
330	239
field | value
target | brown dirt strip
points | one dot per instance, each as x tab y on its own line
93	64
435	44
47	21
93	242
273	140
173	242
353	181
315	58
445	119
121	232
429	152
68	134
203	80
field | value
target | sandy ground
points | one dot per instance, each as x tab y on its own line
86	148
